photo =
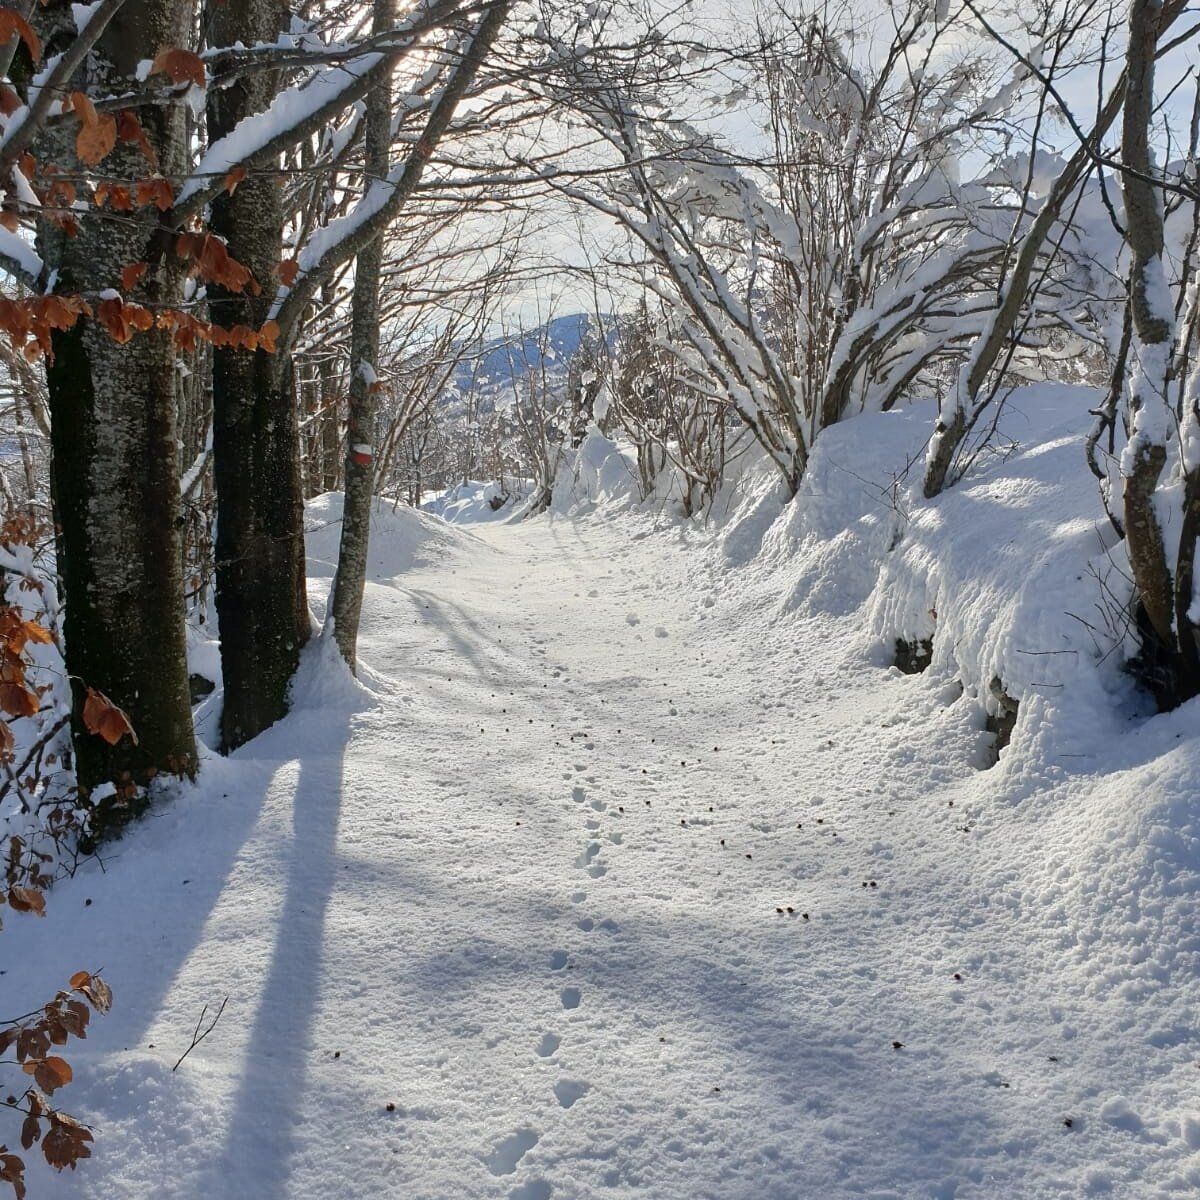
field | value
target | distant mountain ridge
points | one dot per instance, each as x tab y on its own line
500	360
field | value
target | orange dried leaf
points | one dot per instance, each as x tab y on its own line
12	24
66	1142
74	1017
119	198
95	141
85	110
234	178
49	1073
288	270
180	66
111	314
12	1172
99	993
35	631
131	275
27	899
32	1043
31	1130
17	700
139	317
155	191
102	717
129	129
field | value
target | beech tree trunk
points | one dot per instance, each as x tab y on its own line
345	603
114	443
262	605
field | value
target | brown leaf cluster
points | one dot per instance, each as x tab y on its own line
105	719
64	1140
209	259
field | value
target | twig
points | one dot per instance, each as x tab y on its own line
197	1036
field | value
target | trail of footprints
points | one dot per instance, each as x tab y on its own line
507	1154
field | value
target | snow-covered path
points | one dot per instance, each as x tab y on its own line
617	884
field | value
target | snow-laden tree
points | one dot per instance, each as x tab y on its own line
1049	45
1160	464
844	263
143	241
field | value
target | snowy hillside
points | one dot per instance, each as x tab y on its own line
632	868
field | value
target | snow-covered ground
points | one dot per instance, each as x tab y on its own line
633	869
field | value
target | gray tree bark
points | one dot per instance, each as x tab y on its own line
262	605
113	440
345	603
1153	329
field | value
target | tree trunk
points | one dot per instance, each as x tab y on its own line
345	604
1153	333
114	445
262	605
330	423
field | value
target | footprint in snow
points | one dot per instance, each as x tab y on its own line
510	1150
568	1091
608	925
570	997
558	960
633	619
590	851
535	1189
548	1045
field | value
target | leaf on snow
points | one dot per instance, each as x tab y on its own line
27	899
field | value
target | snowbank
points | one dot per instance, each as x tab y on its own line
401	537
603	472
1014	574
474	501
652	877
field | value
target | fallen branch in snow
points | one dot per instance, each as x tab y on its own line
197	1035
